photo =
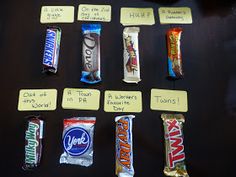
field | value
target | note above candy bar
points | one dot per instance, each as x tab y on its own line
175	15
136	16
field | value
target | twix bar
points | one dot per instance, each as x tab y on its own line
174	147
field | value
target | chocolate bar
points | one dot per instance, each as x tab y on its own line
174	145
124	146
78	141
91	53
175	68
33	142
51	49
131	55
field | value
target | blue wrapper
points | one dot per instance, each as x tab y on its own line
91	53
124	146
51	49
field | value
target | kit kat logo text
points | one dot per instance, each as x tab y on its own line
123	143
175	137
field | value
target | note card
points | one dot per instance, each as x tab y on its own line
169	100
175	15
82	99
137	16
37	100
57	14
88	12
123	101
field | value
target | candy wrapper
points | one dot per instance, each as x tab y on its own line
175	69
174	147
124	146
91	53
33	142
78	141
51	49
131	55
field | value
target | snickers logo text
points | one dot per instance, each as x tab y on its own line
123	143
175	138
50	46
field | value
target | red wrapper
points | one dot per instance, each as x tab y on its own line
175	69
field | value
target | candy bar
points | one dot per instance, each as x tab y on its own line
124	146
131	55
91	53
51	49
174	147
78	141
33	142
175	69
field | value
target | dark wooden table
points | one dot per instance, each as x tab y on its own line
209	61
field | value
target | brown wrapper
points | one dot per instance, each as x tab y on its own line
91	53
33	142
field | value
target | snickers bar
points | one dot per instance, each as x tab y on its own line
51	49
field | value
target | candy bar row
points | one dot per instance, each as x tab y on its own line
91	71
77	140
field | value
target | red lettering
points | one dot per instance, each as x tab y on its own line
174	159
172	124
174	135
177	145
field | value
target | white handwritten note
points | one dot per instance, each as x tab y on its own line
57	14
37	100
123	101
82	99
89	12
